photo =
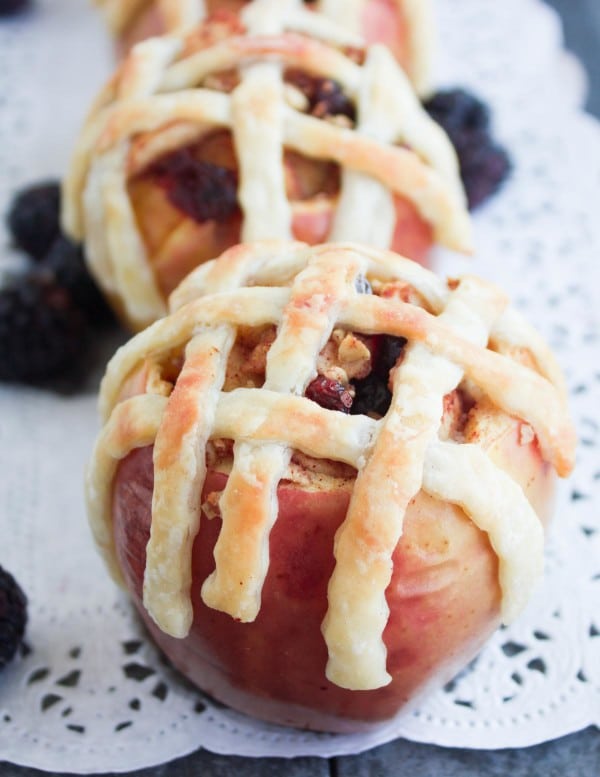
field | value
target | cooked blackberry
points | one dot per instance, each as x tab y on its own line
65	261
388	352
42	331
203	191
33	217
325	96
329	393
13	616
484	164
372	395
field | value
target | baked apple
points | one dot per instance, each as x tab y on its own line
207	139
405	26
324	478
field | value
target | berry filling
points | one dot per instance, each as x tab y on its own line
200	189
354	374
324	95
329	393
372	395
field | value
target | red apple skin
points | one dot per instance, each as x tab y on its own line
151	22
443	597
176	244
382	22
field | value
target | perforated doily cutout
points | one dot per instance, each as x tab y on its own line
90	692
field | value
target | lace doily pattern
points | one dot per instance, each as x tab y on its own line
90	669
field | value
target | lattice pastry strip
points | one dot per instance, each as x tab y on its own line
249	502
395	456
156	103
133	424
180	467
465	476
257	306
339	21
511	391
373	526
257	117
361	193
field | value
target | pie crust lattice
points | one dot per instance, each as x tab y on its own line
156	103
346	15
306	292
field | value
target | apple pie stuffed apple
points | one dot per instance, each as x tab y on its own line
405	26
226	135
324	477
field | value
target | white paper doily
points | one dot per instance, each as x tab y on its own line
93	694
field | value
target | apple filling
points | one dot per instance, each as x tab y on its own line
354	376
186	207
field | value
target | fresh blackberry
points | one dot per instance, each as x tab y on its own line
33	217
42	331
201	190
484	164
13	6
13	617
66	263
458	111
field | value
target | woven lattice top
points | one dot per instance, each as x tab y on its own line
159	102
462	333
348	16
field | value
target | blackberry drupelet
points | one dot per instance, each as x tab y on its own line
66	263
33	217
484	165
42	331
13	616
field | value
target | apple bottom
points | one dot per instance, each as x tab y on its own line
443	598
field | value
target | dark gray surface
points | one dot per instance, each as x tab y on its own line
576	755
581	21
